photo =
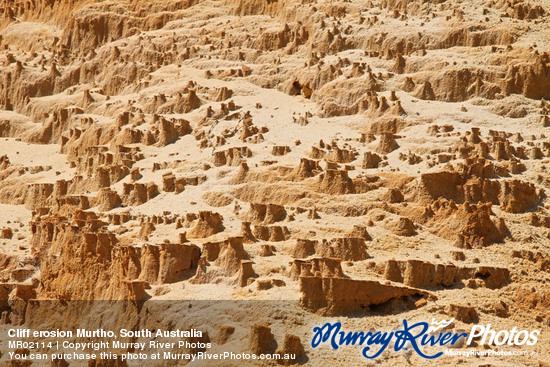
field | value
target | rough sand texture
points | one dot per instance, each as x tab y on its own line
337	158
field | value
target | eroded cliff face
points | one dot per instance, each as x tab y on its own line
348	158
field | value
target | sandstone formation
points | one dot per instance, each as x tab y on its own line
337	296
265	164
